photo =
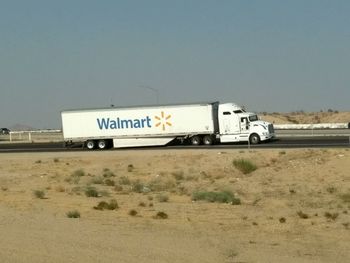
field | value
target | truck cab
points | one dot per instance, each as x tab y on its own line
235	124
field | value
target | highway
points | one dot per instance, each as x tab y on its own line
282	142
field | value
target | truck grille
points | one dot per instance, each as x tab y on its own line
271	129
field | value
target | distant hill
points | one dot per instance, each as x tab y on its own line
306	117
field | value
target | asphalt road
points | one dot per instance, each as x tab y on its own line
282	143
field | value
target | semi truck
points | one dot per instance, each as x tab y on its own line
197	123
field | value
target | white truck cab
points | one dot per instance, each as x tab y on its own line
235	124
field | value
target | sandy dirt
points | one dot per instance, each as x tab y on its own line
295	207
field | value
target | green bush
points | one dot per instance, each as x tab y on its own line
218	197
245	166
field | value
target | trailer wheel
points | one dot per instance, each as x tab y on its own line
90	144
254	138
208	140
102	144
196	140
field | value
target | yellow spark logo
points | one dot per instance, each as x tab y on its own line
163	120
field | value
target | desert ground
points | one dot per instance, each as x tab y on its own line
176	206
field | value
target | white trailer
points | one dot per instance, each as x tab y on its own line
205	123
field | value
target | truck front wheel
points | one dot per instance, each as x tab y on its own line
254	138
90	144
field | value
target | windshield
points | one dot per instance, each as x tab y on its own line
253	118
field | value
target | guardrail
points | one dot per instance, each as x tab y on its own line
35	136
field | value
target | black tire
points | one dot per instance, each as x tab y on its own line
196	140
102	144
90	144
208	140
254	139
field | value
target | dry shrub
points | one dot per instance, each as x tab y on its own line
161	215
160	184
302	215
109	182
97	180
133	212
103	205
345	197
92	192
137	187
332	216
73	214
60	189
108	173
218	197
78	173
130	168
162	198
178	175
39	194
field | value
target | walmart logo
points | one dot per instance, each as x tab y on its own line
161	120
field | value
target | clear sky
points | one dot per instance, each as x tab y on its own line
270	55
